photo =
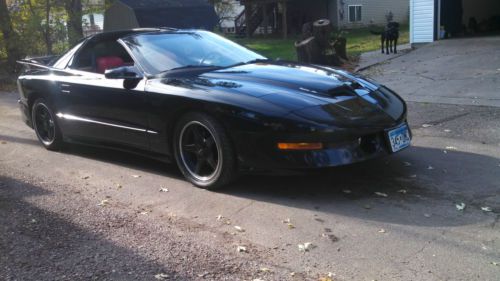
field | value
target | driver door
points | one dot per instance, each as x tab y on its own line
101	110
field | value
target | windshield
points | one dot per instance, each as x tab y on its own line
163	51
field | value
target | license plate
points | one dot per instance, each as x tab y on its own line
399	138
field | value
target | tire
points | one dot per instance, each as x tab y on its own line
45	124
204	152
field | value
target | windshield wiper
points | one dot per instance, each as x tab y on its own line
188	69
249	62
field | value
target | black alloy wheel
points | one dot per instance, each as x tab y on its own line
45	125
203	151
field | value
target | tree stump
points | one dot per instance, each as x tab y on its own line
340	47
321	31
307	30
308	51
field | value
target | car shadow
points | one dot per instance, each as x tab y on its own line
40	244
414	190
126	159
419	186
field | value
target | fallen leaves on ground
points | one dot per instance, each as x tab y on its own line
331	237
460	206
381	194
264	269
305	247
161	276
241	249
239	228
486	209
103	203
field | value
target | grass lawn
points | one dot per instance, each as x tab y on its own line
358	41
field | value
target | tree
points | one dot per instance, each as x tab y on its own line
9	36
224	8
74	22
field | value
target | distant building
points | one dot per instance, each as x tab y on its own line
288	16
127	14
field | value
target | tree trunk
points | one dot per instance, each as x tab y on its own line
285	20
307	30
340	47
9	36
48	40
308	51
74	10
321	31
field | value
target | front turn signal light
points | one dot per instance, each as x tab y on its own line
300	145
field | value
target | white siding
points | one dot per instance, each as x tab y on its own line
421	21
373	12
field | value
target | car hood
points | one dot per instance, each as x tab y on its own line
316	93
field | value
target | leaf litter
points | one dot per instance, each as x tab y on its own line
460	206
306	247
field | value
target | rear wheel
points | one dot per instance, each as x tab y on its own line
45	125
203	151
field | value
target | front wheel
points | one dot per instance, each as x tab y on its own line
203	151
45	125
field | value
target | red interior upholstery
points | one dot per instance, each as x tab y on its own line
104	63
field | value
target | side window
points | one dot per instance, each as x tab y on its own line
97	57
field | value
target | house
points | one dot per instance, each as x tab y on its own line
127	14
228	10
436	19
288	16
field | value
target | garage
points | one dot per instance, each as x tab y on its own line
432	20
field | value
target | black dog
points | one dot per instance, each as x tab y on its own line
389	37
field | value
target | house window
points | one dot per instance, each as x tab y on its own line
354	13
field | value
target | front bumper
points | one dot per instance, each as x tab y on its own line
260	153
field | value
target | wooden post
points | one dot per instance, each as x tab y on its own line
285	20
248	10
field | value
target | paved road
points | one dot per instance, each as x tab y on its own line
456	71
52	227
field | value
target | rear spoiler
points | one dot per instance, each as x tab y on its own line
40	62
29	62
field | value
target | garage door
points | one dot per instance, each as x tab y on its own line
421	21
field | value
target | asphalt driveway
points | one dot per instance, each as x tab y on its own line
92	214
455	71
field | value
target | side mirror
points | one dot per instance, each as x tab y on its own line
130	74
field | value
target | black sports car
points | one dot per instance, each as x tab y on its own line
214	107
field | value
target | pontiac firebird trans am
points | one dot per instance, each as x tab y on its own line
215	108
